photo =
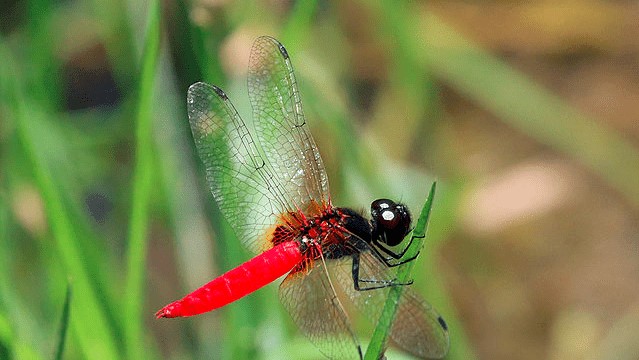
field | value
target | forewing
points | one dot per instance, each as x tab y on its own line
418	329
281	126
319	315
241	182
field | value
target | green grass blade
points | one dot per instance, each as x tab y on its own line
114	26
298	25
142	186
64	325
376	347
95	337
43	83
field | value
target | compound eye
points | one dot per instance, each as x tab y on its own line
389	218
391	221
379	205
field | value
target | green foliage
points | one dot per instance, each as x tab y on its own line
142	191
378	341
64	325
158	235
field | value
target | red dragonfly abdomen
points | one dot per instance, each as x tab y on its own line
239	282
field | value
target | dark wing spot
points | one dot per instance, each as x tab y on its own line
442	323
220	93
283	51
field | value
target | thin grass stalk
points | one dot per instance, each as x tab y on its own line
64	325
298	25
89	323
142	186
377	344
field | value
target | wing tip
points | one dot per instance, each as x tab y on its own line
282	50
273	40
196	86
203	90
220	92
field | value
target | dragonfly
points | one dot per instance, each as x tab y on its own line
274	191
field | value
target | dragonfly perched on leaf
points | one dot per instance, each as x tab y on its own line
273	189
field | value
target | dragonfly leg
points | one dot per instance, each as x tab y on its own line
379	284
380	247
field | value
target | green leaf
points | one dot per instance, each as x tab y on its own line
376	347
142	188
95	337
64	324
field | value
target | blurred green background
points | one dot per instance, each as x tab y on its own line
526	113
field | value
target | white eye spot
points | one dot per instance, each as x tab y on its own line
388	215
384	206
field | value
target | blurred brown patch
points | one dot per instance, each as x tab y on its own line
545	264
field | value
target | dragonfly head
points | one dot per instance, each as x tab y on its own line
390	221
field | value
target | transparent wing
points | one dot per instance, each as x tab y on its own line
241	181
316	310
280	124
418	329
